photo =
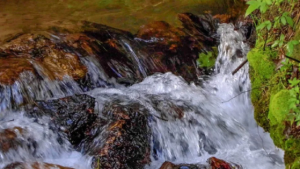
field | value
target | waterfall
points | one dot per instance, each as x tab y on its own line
188	123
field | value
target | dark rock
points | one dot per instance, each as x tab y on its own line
169	165
124	141
214	163
73	115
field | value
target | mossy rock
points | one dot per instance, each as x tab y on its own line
292	153
277	135
261	71
279	107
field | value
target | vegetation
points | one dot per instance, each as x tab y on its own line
277	102
207	60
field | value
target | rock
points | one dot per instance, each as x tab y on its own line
9	139
202	28
11	68
216	163
169	165
54	62
161	33
124	141
73	115
36	165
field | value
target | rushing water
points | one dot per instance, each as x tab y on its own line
214	121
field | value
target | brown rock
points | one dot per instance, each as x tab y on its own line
11	68
8	138
161	32
54	61
169	165
216	163
36	165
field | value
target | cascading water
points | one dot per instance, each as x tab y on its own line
209	122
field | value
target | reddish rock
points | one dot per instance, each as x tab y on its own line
36	165
162	33
216	163
11	68
8	139
169	165
39	48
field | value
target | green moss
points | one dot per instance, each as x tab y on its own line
279	107
292	152
277	134
296	53
296	164
261	71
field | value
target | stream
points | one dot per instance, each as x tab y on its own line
188	123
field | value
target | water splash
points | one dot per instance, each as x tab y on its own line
189	123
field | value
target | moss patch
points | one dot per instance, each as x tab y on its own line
279	107
261	71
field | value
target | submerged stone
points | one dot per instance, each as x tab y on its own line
214	163
9	139
72	115
35	165
124	141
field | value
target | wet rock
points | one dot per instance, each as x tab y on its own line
202	28
216	163
9	139
161	33
36	165
53	61
73	115
11	68
124	141
169	165
169	49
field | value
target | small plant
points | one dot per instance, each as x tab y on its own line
207	60
294	101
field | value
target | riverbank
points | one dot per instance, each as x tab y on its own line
274	72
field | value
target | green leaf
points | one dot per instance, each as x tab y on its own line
269	25
281	37
297	89
292	106
263	7
283	20
275	44
269	2
260	26
297	118
289	21
253	5
281	44
290	47
295	42
294	82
